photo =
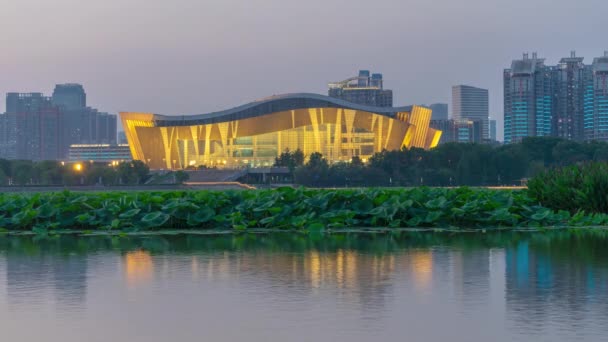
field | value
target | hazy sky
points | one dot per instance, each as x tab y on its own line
197	56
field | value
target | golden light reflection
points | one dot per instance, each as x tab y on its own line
422	266
139	268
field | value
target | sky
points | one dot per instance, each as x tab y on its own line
197	56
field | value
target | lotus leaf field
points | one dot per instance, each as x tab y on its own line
283	208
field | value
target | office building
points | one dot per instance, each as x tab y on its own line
254	135
458	130
99	153
440	111
363	89
471	103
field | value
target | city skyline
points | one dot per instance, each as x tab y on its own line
192	59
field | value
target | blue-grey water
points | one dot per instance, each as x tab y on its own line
345	287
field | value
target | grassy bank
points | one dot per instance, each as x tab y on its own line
284	208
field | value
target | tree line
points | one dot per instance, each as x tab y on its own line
451	164
46	173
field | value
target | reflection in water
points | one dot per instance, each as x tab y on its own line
422	266
139	268
554	285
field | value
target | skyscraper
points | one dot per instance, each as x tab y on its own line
568	100
36	127
528	98
598	104
70	96
440	111
471	103
33	128
571	76
363	89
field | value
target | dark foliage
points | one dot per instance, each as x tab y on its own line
574	188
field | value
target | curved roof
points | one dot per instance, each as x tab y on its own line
273	104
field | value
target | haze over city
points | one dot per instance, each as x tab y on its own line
187	56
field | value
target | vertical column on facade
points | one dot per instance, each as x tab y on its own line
338	134
349	117
207	152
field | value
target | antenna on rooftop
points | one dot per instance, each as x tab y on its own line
572	53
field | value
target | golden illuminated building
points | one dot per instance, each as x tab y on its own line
254	134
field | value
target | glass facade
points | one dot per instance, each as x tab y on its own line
252	137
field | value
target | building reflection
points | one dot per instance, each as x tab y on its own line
542	280
138	267
545	283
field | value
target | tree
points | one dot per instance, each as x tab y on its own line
181	176
23	171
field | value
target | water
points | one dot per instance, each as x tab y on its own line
348	287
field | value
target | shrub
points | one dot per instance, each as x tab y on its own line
573	188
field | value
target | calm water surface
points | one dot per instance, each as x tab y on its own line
348	287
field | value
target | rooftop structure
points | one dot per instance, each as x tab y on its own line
363	89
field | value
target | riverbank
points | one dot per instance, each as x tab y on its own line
282	209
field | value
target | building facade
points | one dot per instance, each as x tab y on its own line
36	127
32	128
458	130
253	135
471	103
99	153
596	102
493	130
566	100
363	89
571	77
440	111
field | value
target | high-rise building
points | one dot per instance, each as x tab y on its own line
84	125
528	98
571	77
33	128
70	96
458	130
36	127
596	126
440	111
471	103
363	89
567	100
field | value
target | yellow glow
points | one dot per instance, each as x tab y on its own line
78	167
139	267
337	133
422	263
